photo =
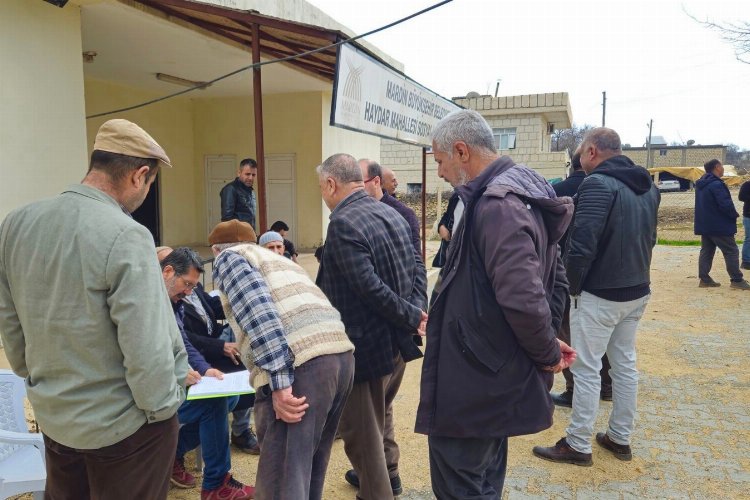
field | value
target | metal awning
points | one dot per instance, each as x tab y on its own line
277	37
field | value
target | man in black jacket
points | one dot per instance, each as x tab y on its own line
238	198
569	187
744	197
373	275
608	261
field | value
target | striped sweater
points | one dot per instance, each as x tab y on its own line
312	326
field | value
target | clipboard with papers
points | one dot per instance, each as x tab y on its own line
233	384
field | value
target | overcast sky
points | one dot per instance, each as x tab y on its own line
653	60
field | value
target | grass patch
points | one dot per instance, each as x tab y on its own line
683	243
678	243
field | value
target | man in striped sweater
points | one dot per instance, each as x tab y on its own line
294	342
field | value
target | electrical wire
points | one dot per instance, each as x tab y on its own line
272	61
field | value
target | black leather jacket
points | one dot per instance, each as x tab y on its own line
614	228
238	202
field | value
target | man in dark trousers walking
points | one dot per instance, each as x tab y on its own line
716	223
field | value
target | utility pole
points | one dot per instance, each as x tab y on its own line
604	107
648	144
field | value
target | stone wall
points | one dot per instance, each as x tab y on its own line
677	156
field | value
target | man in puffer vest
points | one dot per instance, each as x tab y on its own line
294	342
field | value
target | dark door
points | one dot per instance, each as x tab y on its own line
148	214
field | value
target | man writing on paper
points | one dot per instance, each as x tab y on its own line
295	342
204	421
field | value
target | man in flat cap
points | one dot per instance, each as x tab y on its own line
85	319
300	359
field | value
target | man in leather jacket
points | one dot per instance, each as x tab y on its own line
608	260
238	199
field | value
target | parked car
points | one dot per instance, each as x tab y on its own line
670	185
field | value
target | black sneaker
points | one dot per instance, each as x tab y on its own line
352	478
563	399
620	451
247	442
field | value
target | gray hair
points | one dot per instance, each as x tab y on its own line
465	125
605	139
183	259
342	167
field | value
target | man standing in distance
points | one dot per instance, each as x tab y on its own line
372	275
608	261
85	319
492	349
238	199
373	179
390	183
716	223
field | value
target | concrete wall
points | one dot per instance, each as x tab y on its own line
677	156
42	127
170	123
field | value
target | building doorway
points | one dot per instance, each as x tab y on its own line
220	171
149	213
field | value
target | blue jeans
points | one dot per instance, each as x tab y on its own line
746	243
204	422
240	418
599	326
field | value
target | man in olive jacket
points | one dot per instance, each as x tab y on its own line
491	347
85	319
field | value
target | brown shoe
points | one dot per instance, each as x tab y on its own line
620	451
564	454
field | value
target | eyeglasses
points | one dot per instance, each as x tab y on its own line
188	284
371	178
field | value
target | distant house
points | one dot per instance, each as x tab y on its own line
662	155
522	126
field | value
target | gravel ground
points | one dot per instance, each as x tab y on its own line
692	437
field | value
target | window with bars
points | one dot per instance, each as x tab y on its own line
505	138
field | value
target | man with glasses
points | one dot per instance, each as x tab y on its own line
372	173
203	421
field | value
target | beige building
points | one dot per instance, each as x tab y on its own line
522	126
676	156
48	90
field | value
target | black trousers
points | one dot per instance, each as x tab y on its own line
468	467
728	248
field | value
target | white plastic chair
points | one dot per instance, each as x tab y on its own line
22	467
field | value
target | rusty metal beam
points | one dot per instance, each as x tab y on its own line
260	155
312	68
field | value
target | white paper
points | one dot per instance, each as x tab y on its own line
232	384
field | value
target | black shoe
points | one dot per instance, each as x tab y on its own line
352	478
708	284
606	395
563	399
620	451
247	442
745	265
564	454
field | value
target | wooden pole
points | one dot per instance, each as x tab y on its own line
259	148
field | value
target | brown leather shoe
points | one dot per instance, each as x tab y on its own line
564	454
620	451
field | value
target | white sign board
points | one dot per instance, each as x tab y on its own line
373	98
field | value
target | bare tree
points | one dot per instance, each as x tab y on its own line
736	34
569	138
